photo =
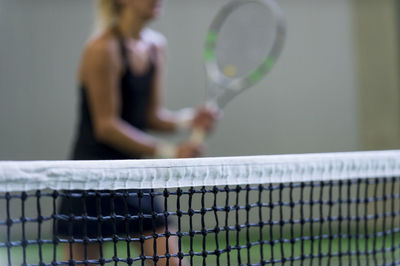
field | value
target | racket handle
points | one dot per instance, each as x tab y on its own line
198	136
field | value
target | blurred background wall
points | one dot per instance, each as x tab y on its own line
335	87
376	34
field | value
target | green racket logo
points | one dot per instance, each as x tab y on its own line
259	73
211	39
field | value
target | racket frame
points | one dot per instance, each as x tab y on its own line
217	80
231	87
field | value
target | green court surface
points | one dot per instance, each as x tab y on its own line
248	256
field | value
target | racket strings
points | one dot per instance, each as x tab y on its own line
245	39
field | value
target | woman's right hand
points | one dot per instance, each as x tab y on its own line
206	116
189	150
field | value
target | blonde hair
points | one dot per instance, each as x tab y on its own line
107	13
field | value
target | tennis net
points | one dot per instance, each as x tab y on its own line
314	209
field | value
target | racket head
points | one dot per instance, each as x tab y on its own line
242	45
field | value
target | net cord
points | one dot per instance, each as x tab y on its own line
172	173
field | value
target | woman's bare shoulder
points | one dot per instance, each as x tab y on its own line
102	44
154	38
101	53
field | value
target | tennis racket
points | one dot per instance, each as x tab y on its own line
242	45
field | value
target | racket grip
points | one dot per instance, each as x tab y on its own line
198	136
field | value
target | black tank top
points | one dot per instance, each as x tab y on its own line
135	93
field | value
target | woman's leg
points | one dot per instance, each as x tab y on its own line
162	248
81	252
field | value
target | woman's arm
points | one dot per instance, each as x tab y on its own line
158	117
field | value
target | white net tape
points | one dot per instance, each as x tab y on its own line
132	174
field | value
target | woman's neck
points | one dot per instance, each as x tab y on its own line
130	25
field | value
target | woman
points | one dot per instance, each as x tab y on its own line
121	95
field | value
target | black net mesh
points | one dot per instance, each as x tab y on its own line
349	222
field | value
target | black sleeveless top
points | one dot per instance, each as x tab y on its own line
135	93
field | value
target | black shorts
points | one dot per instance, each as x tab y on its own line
109	214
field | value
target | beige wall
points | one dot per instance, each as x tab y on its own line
377	57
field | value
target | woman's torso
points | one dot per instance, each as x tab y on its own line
135	88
